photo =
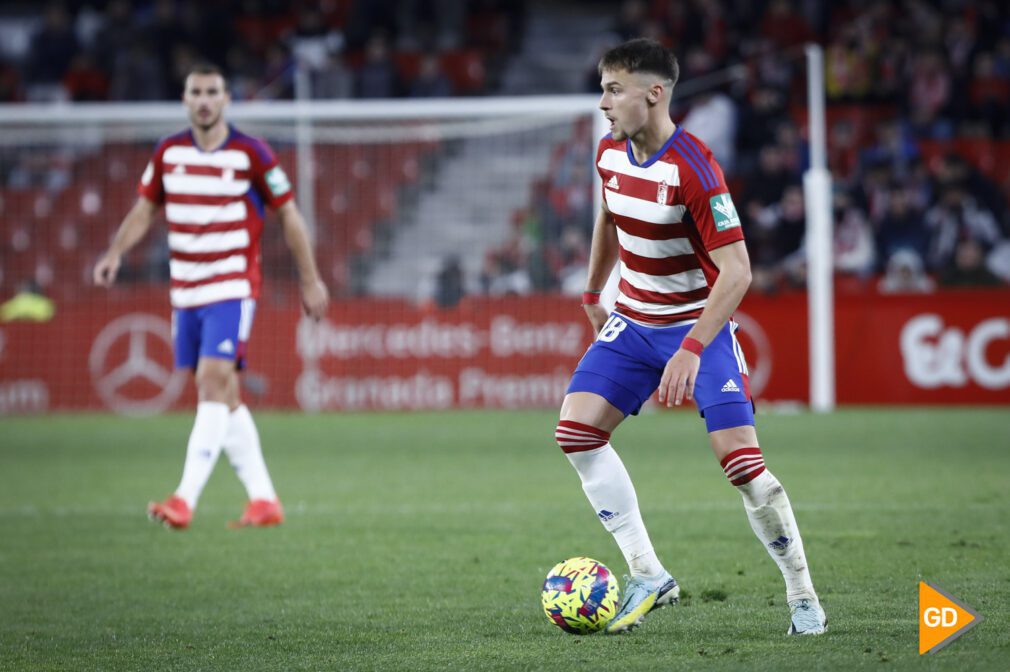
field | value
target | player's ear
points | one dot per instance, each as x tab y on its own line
654	94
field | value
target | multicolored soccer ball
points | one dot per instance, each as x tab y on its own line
580	595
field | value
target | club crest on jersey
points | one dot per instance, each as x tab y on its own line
612	184
661	193
724	212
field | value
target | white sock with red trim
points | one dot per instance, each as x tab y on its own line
771	517
203	449
242	446
608	486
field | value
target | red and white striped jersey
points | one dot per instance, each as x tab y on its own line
214	205
670	211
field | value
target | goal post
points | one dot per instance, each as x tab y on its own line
819	243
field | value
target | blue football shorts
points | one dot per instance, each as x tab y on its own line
625	364
219	330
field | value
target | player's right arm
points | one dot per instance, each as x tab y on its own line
602	257
132	230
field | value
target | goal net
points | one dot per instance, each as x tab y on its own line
452	235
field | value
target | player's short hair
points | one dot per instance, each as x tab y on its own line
641	55
208	69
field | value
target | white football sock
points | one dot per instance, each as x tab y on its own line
203	449
610	491
242	446
771	518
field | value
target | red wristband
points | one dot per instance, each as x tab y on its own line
590	298
692	345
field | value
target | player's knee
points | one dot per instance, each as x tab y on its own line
213	382
575	437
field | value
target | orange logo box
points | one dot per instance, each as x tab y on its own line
942	618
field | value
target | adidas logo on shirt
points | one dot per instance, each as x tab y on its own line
612	184
227	347
730	386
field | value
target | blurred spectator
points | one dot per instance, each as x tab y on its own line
430	81
138	76
905	275
430	24
163	33
901	226
450	285
84	81
784	26
848	75
955	218
114	39
505	271
10	83
713	115
630	19
968	268
990	96
572	261
334	80
377	77
929	95
774	240
52	49
853	238
713	119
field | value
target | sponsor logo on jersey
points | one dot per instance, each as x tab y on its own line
278	181
661	193
724	212
730	386
612	184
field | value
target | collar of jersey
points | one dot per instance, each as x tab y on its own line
655	157
227	139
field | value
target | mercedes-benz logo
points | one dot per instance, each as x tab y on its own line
111	378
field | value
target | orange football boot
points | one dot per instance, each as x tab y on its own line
261	513
174	512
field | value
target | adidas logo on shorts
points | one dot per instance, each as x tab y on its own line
226	346
730	386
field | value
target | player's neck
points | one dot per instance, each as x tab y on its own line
211	138
651	139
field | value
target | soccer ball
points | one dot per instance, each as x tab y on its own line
580	595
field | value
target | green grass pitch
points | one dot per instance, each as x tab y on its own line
419	542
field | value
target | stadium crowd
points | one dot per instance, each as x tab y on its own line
919	140
88	50
918	92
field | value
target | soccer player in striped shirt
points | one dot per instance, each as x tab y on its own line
669	221
215	182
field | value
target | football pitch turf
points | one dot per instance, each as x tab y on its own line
420	541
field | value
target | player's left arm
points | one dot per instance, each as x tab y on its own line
315	296
681	370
